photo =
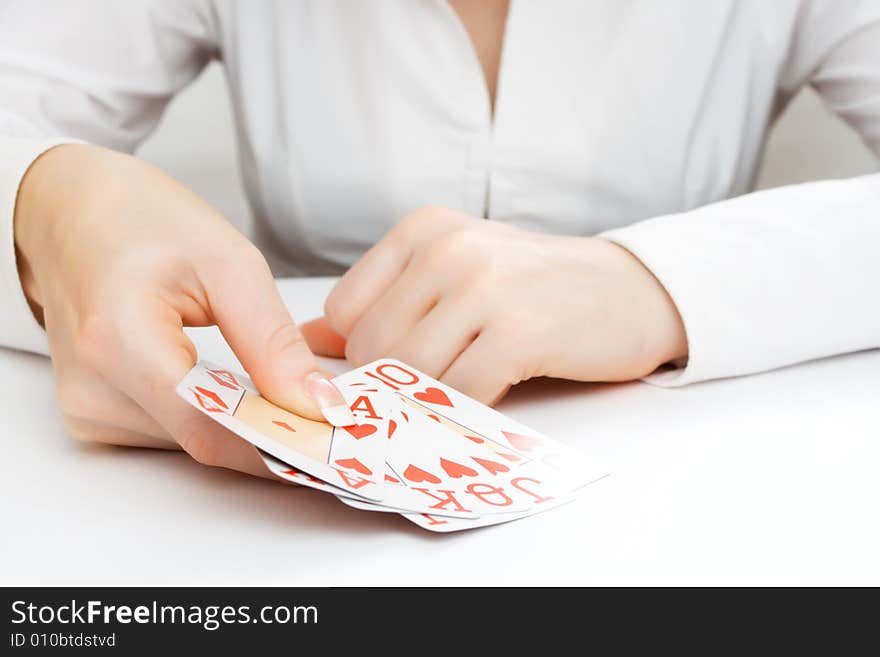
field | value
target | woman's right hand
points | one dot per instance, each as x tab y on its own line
116	258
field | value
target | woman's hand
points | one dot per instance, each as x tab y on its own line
116	258
482	306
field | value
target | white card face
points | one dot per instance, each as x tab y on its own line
480	424
408	501
451	451
399	493
419	448
350	458
444	524
453	474
289	473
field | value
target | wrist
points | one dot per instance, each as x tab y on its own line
47	191
41	192
663	336
672	347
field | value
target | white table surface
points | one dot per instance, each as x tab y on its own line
769	479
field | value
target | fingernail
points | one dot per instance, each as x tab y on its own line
332	404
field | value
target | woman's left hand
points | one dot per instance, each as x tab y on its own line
483	305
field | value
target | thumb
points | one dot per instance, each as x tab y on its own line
322	339
245	304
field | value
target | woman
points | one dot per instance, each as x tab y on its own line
601	138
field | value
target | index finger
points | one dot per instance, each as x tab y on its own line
151	357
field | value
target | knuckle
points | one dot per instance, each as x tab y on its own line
457	248
431	209
440	213
251	256
470	240
416	221
410	222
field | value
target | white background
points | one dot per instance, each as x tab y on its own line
768	479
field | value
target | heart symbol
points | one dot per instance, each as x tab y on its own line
492	466
456	470
297	473
510	457
521	442
354	464
392	427
283	425
434	396
360	430
415	473
474	439
388	477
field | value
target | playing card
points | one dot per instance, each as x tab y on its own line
458	477
291	474
478	424
392	482
418	447
446	468
444	524
410	488
350	458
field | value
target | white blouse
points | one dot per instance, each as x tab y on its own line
631	118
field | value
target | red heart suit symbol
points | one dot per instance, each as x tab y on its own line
416	474
493	467
521	442
297	473
456	470
392	427
360	430
434	396
354	464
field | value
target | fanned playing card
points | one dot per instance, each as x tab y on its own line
418	448
463	458
350	458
